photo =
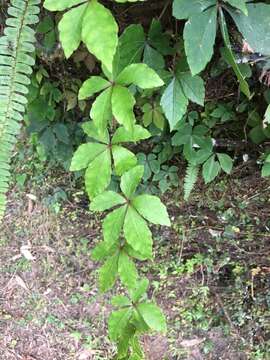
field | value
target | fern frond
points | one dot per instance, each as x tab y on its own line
15	68
190	179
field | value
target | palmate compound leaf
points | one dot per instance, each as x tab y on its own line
152	209
199	37
106	200
153	316
141	75
127	270
100	33
137	233
70	36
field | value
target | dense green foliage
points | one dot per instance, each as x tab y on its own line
148	85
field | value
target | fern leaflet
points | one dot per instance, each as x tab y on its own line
190	179
15	68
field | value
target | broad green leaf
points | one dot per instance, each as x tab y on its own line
153	316
98	174
70	36
102	250
141	75
174	103
130	180
59	5
229	56
193	87
153	58
108	273
211	169
123	159
91	86
255	27
184	9
99	33
91	130
152	209
112	225
127	270
137	233
123	135
266	169
85	154
226	162
158	39
101	111
239	4
199	36
122	107
106	200
266	119
118	322
120	300
130	47
140	289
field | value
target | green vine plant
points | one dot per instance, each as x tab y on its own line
127	238
16	64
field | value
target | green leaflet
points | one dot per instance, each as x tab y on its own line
229	57
70	35
122	107
239	4
130	180
85	154
137	292
123	135
112	225
99	33
255	26
106	200
140	75
59	5
98	174
108	273
123	159
199	36
137	233
152	209
184	9
127	270
120	300
226	162
118	322
130	48
153	316
91	86
211	169
93	132
174	103
101	110
193	87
